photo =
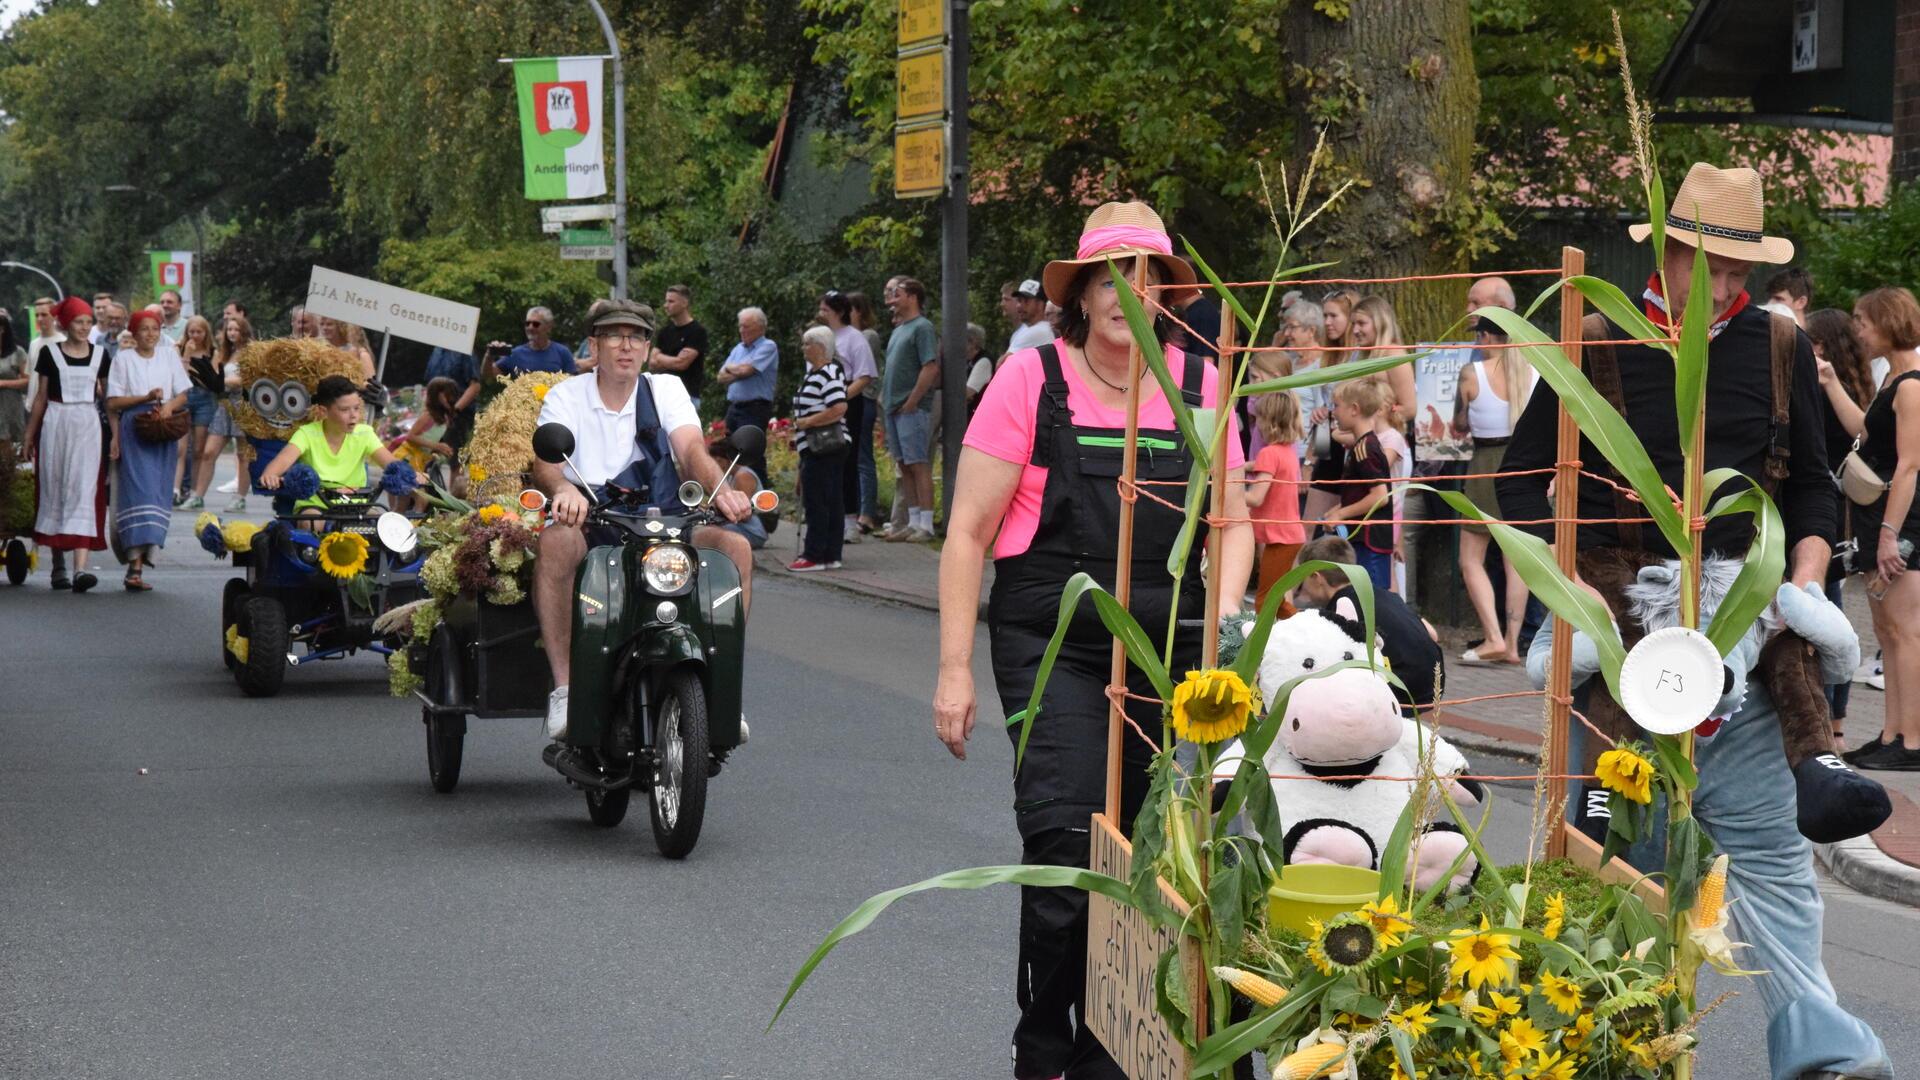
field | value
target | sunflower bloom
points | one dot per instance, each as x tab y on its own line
1389	924
1521	1039
343	554
1482	957
1626	772
1415	1019
1556	917
1211	706
1347	944
1562	994
1576	1037
1556	1066
1498	1005
476	474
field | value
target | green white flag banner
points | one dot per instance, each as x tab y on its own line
173	270
560	123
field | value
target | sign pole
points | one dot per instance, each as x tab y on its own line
619	154
953	262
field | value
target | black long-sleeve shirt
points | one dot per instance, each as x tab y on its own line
1739	406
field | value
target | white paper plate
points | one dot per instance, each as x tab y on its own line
1672	680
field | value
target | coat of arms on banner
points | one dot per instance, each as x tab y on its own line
560	112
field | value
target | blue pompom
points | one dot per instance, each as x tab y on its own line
398	479
300	482
212	540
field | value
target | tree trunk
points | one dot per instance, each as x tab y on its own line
1394	86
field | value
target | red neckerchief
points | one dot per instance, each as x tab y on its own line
1656	305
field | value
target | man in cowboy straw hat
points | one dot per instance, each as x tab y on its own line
1763	418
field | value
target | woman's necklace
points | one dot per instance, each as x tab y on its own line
1095	369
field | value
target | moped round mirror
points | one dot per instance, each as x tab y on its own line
692	494
766	500
750	441
552	443
396	533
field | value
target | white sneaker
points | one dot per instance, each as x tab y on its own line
229	487
557	714
1877	680
1868	669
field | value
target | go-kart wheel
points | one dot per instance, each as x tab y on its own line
608	808
446	732
679	796
19	559
232	598
263	622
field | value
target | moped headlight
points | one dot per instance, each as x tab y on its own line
668	568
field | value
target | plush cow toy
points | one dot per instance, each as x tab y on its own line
1347	724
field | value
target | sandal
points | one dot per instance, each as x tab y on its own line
1475	656
134	584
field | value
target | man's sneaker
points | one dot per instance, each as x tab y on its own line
910	536
805	566
836	564
1871	746
194	502
557	714
1877	680
852	535
1895	756
238	505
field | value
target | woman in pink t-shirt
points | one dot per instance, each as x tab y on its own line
1038	480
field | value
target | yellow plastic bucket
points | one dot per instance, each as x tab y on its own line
1318	891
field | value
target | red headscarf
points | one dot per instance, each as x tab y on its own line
146	314
70	309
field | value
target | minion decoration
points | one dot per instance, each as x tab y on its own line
277	381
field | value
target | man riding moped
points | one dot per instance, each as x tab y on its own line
633	432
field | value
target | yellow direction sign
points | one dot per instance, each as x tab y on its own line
922	20
922	86
920	162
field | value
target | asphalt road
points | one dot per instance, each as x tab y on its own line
282	895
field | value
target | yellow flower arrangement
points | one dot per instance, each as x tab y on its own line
1481	957
1556	917
1211	706
1626	772
343	554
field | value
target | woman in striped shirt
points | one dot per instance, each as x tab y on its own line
820	434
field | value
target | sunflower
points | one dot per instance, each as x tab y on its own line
1555	1066
236	644
1582	1030
343	554
1388	922
1556	916
1482	957
476	474
1636	1051
1562	994
1415	1019
1211	706
1622	770
1499	1005
1347	944
1521	1039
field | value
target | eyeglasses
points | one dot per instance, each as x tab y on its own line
626	341
535	322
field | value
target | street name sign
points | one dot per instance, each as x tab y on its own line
587	252
922	86
920	161
921	21
589	212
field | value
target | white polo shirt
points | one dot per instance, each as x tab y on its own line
603	443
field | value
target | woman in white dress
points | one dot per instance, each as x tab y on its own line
64	440
147	378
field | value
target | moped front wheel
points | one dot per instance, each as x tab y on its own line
679	793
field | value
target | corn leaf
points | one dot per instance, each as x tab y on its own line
1393	872
1139	649
1657	215
1599	422
1472	836
1607	298
1760	572
1190	523
1225	1047
1219	287
1667	749
978	877
1352	369
1156	358
1690	360
1533	558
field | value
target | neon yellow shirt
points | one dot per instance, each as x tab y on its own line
343	468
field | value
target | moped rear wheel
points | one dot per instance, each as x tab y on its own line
446	732
679	795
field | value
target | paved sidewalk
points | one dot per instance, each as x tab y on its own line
1886	865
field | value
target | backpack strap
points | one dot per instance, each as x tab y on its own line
646	418
1051	411
1603	371
1785	343
1193	381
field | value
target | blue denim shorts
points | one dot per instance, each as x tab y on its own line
907	436
201	405
222	423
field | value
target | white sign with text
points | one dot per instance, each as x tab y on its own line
393	310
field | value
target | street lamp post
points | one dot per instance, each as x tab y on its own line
199	236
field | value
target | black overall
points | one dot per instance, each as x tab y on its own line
1062	781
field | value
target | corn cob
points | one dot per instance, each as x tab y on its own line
1706	907
1314	1061
1258	989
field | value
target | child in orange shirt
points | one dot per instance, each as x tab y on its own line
1273	489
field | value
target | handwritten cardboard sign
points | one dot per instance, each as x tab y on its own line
1122	950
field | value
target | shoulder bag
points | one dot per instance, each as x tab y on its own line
1858	480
